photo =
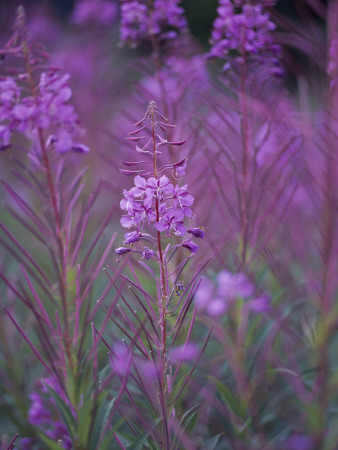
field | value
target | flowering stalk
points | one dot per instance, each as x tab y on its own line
242	36
34	103
156	203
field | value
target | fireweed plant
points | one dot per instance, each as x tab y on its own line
156	211
122	357
38	121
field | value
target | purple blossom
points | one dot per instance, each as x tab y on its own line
38	414
141	21
231	286
98	12
197	232
122	250
172	223
182	199
44	414
121	359
245	28
148	254
132	237
191	246
153	200
299	442
47	110
183	353
215	299
260	304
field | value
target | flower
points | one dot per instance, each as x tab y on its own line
131	238
172	223
244	28
183	353
231	286
214	300
99	12
47	110
141	21
197	232
122	250
153	199
148	253
191	246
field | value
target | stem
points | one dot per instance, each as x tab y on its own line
245	164
53	197
163	301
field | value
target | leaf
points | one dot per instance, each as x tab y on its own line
64	411
186	419
52	445
211	443
235	404
141	440
100	422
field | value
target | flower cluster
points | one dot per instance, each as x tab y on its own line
141	20
215	301
244	29
47	109
99	12
155	200
43	414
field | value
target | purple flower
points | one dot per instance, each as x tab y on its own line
182	199
244	28
171	222
48	109
131	238
191	246
183	353
122	250
260	304
121	359
99	12
140	21
38	414
299	442
197	232
148	253
44	414
179	288
231	285
160	185
216	307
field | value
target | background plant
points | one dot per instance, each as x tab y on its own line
82	358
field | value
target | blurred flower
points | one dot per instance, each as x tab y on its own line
215	300
244	28
44	415
141	21
98	12
299	442
183	353
121	359
231	286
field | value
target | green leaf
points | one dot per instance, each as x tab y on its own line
234	403
52	445
100	422
211	443
64	411
142	439
186	419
